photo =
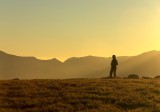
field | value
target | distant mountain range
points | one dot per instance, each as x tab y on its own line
11	66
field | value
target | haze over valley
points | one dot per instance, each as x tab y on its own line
11	66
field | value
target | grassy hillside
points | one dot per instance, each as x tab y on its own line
80	95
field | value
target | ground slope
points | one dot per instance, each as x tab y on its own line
80	95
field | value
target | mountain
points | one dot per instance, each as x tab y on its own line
146	64
11	66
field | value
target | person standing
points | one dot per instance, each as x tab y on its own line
114	64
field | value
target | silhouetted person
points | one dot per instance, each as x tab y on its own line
114	64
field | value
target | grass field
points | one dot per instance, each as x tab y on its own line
80	95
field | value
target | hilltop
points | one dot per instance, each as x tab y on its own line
80	95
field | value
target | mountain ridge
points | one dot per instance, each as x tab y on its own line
148	52
12	66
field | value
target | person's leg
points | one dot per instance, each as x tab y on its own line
111	72
115	72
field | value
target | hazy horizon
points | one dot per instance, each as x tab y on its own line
62	29
77	56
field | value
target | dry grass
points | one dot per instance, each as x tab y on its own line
80	95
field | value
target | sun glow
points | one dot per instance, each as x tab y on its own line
55	29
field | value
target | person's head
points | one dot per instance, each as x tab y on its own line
114	56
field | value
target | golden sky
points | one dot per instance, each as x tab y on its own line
67	28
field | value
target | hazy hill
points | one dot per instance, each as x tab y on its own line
11	66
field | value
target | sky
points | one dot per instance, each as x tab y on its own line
62	29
